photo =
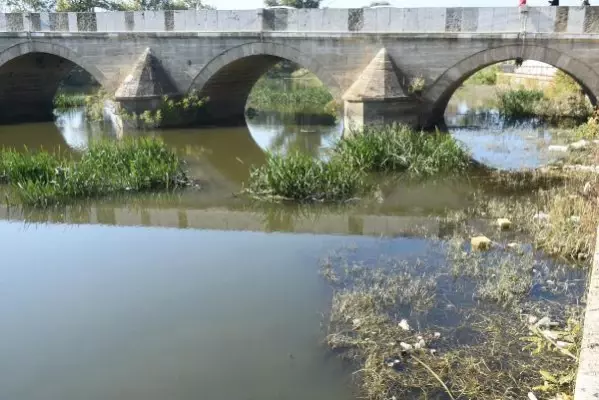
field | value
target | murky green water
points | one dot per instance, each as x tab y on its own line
198	294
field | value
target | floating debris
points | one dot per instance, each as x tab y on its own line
406	346
403	324
503	223
480	243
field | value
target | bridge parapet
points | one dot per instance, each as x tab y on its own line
571	20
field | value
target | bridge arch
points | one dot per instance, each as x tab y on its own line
228	79
30	74
440	92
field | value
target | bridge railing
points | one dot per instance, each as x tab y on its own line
573	20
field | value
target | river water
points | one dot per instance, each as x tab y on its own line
200	294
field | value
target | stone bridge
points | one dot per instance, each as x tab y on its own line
367	57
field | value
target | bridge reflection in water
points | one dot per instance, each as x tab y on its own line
232	220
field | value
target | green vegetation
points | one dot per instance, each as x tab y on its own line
293	3
375	149
517	103
309	97
397	148
408	334
109	5
417	85
590	129
563	98
486	76
302	178
69	100
42	179
171	111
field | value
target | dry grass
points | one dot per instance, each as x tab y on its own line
560	212
459	350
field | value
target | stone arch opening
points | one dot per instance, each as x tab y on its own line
228	79
30	76
441	91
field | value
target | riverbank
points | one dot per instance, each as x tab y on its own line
424	327
587	384
560	101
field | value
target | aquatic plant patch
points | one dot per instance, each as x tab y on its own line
42	179
299	177
398	148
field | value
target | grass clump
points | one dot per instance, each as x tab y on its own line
69	100
397	148
517	103
302	178
42	179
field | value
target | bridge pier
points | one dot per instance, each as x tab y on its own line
378	97
145	88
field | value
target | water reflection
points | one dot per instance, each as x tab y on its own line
268	132
498	141
154	314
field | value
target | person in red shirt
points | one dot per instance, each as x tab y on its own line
523	14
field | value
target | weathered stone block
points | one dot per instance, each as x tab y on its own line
453	20
355	19
561	19
86	22
591	20
59	22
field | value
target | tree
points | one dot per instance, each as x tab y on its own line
379	3
90	5
293	3
30	5
156	5
109	5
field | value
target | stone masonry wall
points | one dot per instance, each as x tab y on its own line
385	19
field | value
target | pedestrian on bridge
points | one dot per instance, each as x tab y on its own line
523	14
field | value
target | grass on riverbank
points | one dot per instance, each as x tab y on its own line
560	214
344	176
562	98
273	96
42	179
518	103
